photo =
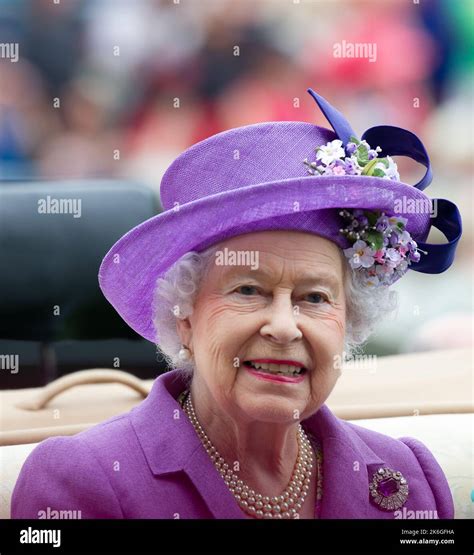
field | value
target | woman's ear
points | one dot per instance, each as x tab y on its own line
184	330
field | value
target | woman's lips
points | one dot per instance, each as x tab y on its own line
274	377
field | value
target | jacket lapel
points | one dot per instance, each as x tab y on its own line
170	444
212	487
348	465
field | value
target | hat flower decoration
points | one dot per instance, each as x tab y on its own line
287	175
381	248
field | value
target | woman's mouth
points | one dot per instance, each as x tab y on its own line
276	371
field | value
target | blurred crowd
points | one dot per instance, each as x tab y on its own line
118	88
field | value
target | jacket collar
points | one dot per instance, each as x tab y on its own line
170	444
348	467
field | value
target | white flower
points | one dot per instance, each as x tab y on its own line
360	254
330	152
391	172
393	255
395	220
404	238
403	265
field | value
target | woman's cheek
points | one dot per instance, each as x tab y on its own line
335	327
216	332
326	336
336	321
331	320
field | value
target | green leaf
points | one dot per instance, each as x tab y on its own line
362	155
375	240
372	217
369	168
378	173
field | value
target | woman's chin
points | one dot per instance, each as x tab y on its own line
271	408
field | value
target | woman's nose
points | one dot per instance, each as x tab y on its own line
281	323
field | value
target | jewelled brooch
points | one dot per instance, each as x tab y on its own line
388	489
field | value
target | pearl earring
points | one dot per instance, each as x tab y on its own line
184	353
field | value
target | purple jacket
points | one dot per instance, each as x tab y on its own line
149	463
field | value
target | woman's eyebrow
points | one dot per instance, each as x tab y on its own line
322	278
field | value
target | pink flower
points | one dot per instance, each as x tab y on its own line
402	250
339	170
379	256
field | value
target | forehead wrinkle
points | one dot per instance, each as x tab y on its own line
319	273
304	253
309	253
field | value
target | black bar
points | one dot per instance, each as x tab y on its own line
241	536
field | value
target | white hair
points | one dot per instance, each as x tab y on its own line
177	290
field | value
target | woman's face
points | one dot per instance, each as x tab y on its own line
286	304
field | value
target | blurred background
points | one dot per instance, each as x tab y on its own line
116	89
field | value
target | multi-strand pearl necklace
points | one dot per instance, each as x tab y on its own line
286	505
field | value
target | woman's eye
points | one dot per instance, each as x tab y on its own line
316	298
247	290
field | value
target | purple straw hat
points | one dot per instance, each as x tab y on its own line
287	176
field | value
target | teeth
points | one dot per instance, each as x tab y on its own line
279	369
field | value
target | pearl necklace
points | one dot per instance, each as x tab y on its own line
289	503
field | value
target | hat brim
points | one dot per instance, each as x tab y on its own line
129	271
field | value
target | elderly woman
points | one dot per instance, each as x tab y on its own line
274	257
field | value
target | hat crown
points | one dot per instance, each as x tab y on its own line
241	157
